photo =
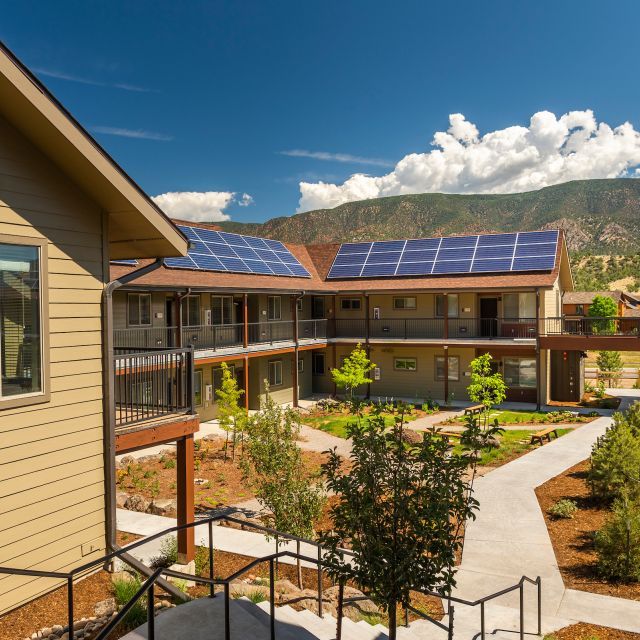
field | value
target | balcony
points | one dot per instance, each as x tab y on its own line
150	386
620	333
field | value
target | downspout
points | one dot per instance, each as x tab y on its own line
110	419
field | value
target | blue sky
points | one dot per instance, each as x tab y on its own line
217	90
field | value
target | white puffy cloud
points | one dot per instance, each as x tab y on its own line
200	206
515	159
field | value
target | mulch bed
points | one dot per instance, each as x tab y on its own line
572	538
583	631
224	484
51	608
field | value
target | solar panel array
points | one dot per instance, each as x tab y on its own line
494	253
234	253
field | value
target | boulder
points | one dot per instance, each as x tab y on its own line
137	502
412	437
286	586
121	499
105	607
126	460
162	507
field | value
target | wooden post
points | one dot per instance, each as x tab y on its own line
185	507
446	373
246	383
367	331
446	316
245	322
294	372
334	356
538	376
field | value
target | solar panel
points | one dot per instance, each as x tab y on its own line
490	253
211	250
128	263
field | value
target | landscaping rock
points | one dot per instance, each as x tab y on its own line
137	502
105	607
162	507
121	499
412	437
127	460
286	586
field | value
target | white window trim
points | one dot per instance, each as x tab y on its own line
407	359
139	296
44	395
278	364
279	308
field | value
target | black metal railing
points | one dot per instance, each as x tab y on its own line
153	576
152	384
270	331
313	329
142	338
213	336
350	328
612	326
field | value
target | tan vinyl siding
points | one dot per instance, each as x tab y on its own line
51	454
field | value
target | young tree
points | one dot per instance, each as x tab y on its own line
603	307
487	387
354	372
609	365
231	416
399	508
274	467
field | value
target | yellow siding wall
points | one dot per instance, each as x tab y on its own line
51	454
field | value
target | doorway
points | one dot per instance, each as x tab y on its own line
168	314
567	380
488	317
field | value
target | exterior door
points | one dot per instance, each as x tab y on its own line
566	378
488	317
168	314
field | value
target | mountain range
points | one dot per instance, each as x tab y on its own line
598	217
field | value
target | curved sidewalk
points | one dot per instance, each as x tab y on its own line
509	538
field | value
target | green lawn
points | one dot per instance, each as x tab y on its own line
515	417
337	424
512	444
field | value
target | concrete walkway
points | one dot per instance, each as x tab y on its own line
509	538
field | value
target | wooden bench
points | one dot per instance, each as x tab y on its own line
448	435
539	436
474	410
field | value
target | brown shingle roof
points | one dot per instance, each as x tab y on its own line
586	297
317	259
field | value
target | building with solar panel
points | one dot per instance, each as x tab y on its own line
424	308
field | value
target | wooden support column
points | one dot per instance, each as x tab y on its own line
538	376
245	322
246	383
334	356
367	332
185	507
446	316
446	373
294	371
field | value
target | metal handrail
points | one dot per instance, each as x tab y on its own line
148	586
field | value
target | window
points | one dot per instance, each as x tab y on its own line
520	372
519	305
350	304
317	364
217	377
317	307
221	310
579	309
300	365
191	311
197	388
299	304
453	305
21	320
454	368
404	303
274	307
405	364
139	309
275	373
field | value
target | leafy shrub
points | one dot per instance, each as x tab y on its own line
618	542
124	590
564	508
170	463
588	387
615	459
202	561
168	553
256	596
